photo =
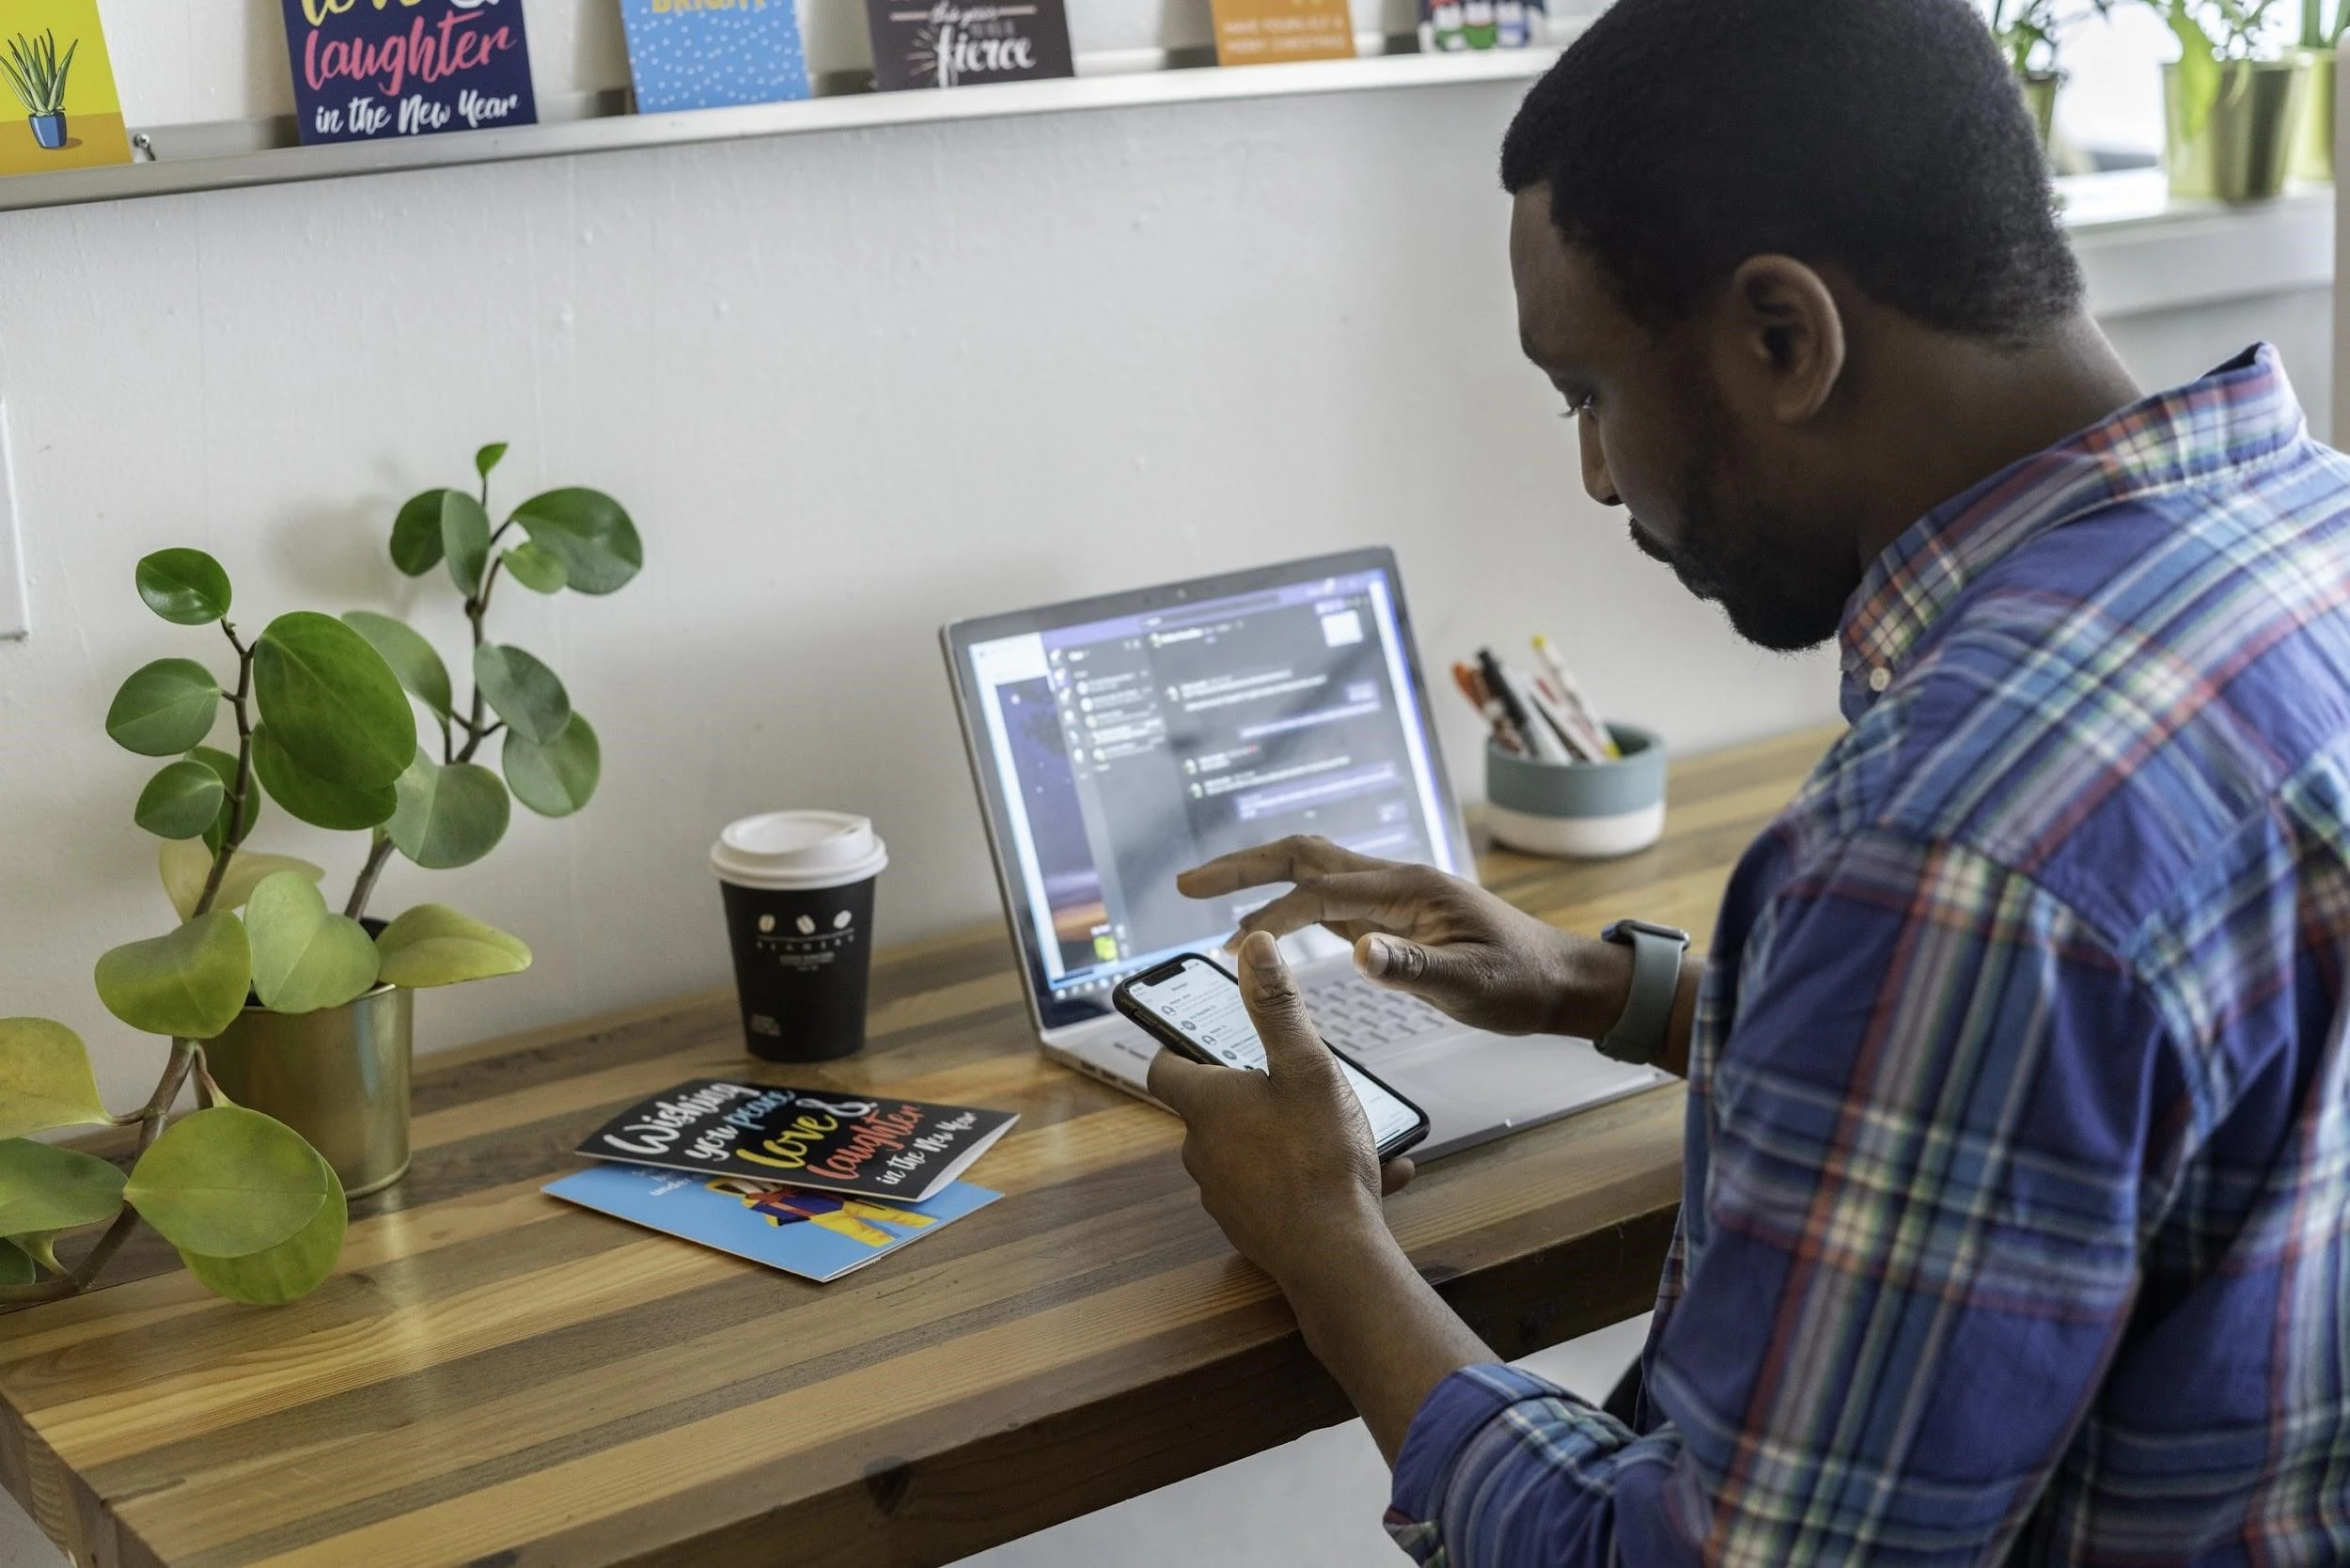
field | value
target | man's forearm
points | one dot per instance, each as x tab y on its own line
1377	1326
1591	983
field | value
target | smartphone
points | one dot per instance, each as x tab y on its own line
1192	1005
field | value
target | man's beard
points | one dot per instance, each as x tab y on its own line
1761	563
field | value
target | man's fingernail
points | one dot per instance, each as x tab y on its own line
1377	957
1265	955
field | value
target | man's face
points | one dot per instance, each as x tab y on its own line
1708	486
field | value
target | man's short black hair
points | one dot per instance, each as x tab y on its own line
1679	138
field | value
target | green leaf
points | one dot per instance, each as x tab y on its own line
184	866
319	802
416	533
16	1268
411	658
487	459
2199	70
164	709
333	703
190	982
587	531
433	945
225	768
466	536
186	587
44	1187
448	815
181	802
526	694
228	1182
555	779
289	1271
536	567
303	957
45	1079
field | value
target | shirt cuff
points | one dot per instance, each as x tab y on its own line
1454	1411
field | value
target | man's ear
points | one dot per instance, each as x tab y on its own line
1789	334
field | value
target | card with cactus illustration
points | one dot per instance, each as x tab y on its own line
57	104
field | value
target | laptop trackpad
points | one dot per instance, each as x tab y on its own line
1482	1087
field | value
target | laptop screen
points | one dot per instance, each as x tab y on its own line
1121	740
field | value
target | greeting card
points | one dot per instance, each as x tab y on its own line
1265	32
709	54
61	87
371	70
947	43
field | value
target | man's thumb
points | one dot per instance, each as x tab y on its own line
1435	973
1274	1004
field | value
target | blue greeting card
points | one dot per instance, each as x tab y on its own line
820	1235
709	54
365	70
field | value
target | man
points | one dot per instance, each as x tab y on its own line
2018	1150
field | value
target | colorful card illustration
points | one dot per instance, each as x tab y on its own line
947	43
827	1139
820	1236
59	110
379	69
714	53
1273	32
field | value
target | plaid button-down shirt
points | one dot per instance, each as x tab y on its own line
2018	1152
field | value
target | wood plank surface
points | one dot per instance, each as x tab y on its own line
494	1378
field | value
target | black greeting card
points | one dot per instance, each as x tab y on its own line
948	43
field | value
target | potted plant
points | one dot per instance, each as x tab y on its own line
2313	149
37	76
2230	114
326	728
2027	31
332	1061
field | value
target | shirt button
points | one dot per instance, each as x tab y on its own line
1880	677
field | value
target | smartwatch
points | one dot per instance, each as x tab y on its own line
1639	1037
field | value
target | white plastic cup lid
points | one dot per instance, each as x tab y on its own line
789	850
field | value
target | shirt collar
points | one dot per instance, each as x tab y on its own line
2241	413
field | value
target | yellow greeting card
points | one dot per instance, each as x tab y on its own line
1262	32
57	104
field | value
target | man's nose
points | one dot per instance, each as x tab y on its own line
1596	479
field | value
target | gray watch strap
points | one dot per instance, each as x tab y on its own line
1638	1036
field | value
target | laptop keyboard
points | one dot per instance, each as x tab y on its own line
1369	1021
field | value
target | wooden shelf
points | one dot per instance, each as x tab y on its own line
225	157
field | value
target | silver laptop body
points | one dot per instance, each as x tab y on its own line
1115	741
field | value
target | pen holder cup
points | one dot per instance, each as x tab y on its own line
1581	810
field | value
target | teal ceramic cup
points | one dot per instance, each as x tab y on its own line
1584	810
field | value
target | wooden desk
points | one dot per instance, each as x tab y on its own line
497	1378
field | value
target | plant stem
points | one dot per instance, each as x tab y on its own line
477	727
150	1120
380	852
241	790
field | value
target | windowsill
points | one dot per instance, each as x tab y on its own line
2144	250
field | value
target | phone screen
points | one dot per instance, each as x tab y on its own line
1204	1002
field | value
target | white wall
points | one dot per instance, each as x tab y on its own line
851	387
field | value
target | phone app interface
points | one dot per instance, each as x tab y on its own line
1205	1004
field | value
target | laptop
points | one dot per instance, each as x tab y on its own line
1115	741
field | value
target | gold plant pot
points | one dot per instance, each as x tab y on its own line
2313	149
338	1076
2040	97
2247	144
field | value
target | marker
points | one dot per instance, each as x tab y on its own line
1575	701
1539	740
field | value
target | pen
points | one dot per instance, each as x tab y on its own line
1539	740
1576	702
1473	688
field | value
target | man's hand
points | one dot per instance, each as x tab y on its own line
1285	1164
1284	1157
1449	942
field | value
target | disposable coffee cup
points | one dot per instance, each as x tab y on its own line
799	896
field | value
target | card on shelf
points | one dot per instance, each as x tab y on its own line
714	53
60	108
947	43
818	1235
1275	32
364	70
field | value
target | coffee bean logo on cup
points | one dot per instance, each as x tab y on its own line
798	887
